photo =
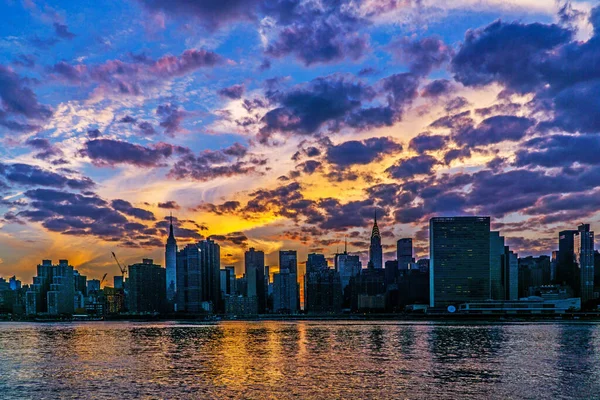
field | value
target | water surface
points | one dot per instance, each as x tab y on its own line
300	360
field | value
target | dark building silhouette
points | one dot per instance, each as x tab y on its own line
171	268
583	244
404	253
147	287
369	289
199	277
533	272
460	260
285	292
565	269
375	249
575	265
254	266
316	262
228	280
53	289
349	267
322	291
288	259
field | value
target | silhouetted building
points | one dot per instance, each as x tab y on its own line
423	264
460	260
510	275
533	272
171	268
348	266
93	286
322	291
240	305
228	280
285	292
369	289
288	259
583	243
316	262
14	283
53	289
254	264
61	296
404	253
497	278
80	282
147	287
375	249
566	269
198	277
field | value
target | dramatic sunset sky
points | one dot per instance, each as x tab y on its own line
286	124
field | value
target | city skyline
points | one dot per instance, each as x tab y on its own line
289	124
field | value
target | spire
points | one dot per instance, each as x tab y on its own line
375	232
171	235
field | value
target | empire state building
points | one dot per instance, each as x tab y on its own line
375	250
171	265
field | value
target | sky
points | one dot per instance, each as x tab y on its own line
287	124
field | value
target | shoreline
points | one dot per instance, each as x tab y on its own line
510	318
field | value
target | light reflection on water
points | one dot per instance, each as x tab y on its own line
300	359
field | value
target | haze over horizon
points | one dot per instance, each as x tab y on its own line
286	124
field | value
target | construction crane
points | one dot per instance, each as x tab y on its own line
103	279
122	268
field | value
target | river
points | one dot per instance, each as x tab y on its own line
367	359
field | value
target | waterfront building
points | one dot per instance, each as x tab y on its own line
404	253
254	268
583	243
459	250
285	292
240	305
288	259
368	290
61	296
322	291
566	269
228	280
533	272
375	249
497	287
510	274
147	287
198	277
171	268
527	306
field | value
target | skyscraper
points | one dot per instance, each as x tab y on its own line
147	287
584	257
404	253
288	259
171	268
375	250
199	277
285	292
510	275
565	268
497	288
254	268
459	250
348	266
316	262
